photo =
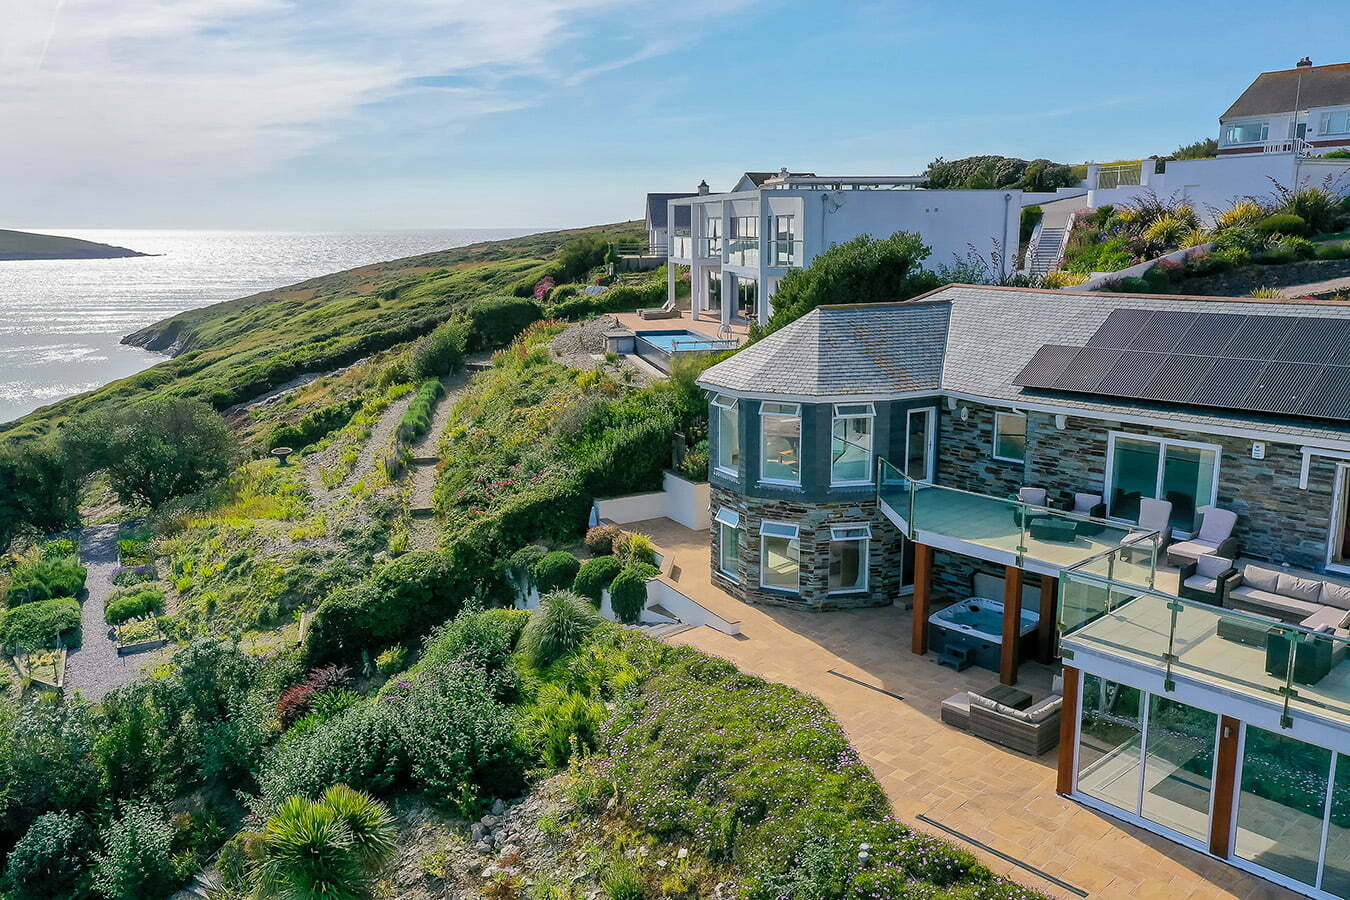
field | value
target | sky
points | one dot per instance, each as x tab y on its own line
385	114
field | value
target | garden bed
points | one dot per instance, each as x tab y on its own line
45	669
1242	281
139	636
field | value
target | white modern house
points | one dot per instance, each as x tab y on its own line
738	245
1304	108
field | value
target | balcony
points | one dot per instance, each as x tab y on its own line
1012	533
743	252
1286	667
785	253
710	248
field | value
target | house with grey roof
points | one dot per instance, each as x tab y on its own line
1306	106
1149	493
659	223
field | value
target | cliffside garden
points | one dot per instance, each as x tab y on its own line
347	706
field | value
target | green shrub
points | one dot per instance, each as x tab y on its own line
59	547
562	723
137	857
628	593
557	627
416	419
1031	217
1282	223
441	352
392	661
634	548
314	426
484	637
1157	280
594	576
555	571
45	578
1237	246
620	298
133	604
40	625
495	321
1109	256
52	859
133	551
520	564
600	539
1333	251
1321	208
326	848
622	882
1296	247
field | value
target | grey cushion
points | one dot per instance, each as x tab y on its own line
1191	549
994	706
1260	577
1328	616
1277	603
1083	503
1155	515
1039	712
1337	595
1217	525
1034	496
1299	588
1201	583
1212	566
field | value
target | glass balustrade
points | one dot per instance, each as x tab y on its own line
1294	667
785	253
743	251
710	247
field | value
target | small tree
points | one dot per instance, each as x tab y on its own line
51	859
39	490
156	450
863	270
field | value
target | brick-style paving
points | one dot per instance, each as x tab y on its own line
999	798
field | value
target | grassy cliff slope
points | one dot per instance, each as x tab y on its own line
230	352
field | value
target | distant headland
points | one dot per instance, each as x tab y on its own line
27	245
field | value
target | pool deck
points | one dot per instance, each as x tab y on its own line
701	323
941	779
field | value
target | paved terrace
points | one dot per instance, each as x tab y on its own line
888	700
699	323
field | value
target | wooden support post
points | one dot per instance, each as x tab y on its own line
923	587
1012	623
1045	631
1068	731
1221	819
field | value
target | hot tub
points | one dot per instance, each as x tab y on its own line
976	623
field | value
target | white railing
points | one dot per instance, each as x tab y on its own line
1118	176
1292	145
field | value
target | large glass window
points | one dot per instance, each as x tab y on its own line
712	236
1183	474
747	298
779	557
780	445
786	249
726	418
729	542
1179	766
1336	867
1335	122
714	290
1246	133
1282	803
851	444
848	558
1010	436
1338	551
1110	736
919	443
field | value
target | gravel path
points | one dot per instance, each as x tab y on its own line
426	457
95	668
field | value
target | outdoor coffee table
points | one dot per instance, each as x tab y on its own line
1008	696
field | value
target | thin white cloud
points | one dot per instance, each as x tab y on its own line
149	91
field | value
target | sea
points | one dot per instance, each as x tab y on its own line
61	320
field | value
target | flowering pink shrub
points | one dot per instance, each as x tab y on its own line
543	286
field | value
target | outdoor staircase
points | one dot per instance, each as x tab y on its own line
1045	253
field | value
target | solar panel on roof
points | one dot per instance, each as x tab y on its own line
1228	382
1086	369
1128	376
1338	353
1162	331
1281	387
1329	397
1119	328
1043	368
1258	338
1209	334
1177	379
1313	340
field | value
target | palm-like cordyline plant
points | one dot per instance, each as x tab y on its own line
329	849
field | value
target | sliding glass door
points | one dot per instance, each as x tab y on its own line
1182	473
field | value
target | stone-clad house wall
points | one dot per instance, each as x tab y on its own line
1277	521
813	521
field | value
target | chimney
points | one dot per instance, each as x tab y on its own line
1304	63
703	187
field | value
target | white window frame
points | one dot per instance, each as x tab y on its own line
930	457
1325	126
780	414
1157	484
858	533
999	414
779	530
1338	517
732	405
844	411
727	518
1263	124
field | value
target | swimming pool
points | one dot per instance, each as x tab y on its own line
679	341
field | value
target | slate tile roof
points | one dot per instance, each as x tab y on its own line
975	340
1309	87
656	210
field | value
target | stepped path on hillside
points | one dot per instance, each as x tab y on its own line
425	460
95	668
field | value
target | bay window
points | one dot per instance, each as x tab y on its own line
848	558
1335	122
1184	474
729	543
779	557
1010	436
851	443
780	444
726	419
